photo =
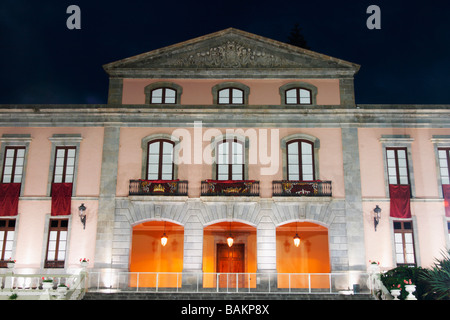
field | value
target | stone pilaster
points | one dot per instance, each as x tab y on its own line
115	91
353	200
107	203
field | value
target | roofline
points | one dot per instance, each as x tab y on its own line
287	46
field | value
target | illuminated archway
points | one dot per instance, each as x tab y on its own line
156	263
243	249
310	257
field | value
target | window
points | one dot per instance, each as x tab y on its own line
64	165
231	96
298	96
13	164
230	160
444	164
160	160
404	243
57	243
300	160
163	96
397	165
7	229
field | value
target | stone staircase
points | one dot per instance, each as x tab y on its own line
222	296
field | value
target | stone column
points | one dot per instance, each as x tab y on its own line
107	198
193	253
266	254
353	200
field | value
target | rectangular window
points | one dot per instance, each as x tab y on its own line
7	229
13	164
230	160
404	243
397	165
64	165
444	164
160	160
57	243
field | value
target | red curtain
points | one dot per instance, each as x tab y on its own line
9	199
400	195
61	198
446	190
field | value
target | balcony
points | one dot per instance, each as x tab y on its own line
230	188
158	188
301	188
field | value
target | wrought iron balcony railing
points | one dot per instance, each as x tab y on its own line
301	188
158	187
230	188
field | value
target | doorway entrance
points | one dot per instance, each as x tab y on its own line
231	265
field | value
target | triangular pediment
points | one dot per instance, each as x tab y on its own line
230	51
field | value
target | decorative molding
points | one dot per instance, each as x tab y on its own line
230	54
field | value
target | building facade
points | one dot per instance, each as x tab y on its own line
229	133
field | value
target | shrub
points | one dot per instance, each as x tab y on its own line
438	279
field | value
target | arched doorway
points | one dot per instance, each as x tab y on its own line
156	264
225	266
302	266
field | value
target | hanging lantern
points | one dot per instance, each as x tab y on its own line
164	237
296	240
230	240
164	240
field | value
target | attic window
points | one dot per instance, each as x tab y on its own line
298	93
163	95
163	92
231	96
298	96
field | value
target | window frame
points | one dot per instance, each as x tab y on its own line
298	96
10	226
163	96
300	159
298	85
148	90
231	96
447	155
402	231
397	168
14	167
160	158
230	85
230	158
65	165
59	228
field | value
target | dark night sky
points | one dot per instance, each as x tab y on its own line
43	62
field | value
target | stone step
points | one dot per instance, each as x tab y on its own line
222	296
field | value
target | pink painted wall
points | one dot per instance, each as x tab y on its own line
35	205
262	92
330	159
423	160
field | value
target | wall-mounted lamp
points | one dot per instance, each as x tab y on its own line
82	214
376	216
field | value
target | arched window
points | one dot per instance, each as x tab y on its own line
231	96
160	160
300	160
163	96
163	92
298	93
298	96
230	160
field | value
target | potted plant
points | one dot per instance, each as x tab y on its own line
374	267
395	291
10	263
62	288
47	283
84	262
410	288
